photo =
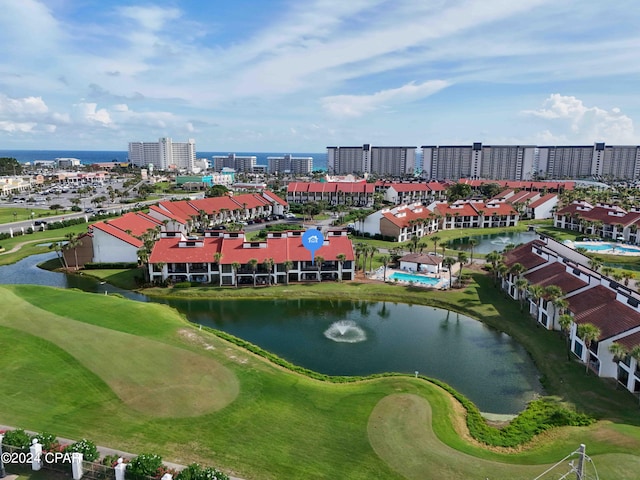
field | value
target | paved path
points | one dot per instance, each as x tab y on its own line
104	451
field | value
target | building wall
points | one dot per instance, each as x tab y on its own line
107	249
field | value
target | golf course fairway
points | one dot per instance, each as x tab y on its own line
138	377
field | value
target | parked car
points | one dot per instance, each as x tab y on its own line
289	215
39	222
88	210
218	227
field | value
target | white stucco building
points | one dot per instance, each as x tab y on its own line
164	154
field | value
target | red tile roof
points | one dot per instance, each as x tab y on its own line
542	200
402	218
524	255
331	187
137	223
555	274
233	250
630	341
167	250
599	306
117	233
422	258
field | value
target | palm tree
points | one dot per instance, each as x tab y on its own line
618	351
627	275
493	257
449	262
435	239
472	243
319	261
462	259
217	257
253	263
287	266
235	266
588	332
371	251
268	264
595	264
341	257
535	293
73	242
59	247
385	261
521	285
565	322
359	250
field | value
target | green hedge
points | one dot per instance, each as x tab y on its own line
109	266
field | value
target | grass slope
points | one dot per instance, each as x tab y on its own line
280	425
152	378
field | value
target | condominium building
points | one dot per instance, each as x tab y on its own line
499	162
528	162
163	154
240	163
386	160
289	164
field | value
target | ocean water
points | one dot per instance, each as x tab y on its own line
87	157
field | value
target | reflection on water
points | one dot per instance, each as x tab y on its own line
489	367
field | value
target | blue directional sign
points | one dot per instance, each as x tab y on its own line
312	240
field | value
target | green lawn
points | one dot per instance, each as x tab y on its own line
21	213
65	352
31	241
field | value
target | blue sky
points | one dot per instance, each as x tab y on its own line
298	75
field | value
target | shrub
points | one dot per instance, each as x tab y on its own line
196	472
110	265
182	285
48	441
86	447
17	438
143	466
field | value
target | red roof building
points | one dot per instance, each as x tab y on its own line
227	258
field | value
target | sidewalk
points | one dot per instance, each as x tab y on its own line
104	451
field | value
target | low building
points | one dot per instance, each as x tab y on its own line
587	296
401	223
603	220
228	258
420	262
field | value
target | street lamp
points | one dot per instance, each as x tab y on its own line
32	215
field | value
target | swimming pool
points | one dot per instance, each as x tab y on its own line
410	277
608	247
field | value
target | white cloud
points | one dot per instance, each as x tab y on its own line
88	112
11	127
567	118
22	107
358	105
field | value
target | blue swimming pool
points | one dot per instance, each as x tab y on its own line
410	277
613	247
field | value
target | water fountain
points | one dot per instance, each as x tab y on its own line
501	241
345	331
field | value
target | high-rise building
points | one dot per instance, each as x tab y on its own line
499	162
163	154
527	162
393	161
289	164
239	163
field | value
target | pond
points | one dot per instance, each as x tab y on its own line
494	241
354	338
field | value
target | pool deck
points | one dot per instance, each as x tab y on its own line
613	250
442	277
